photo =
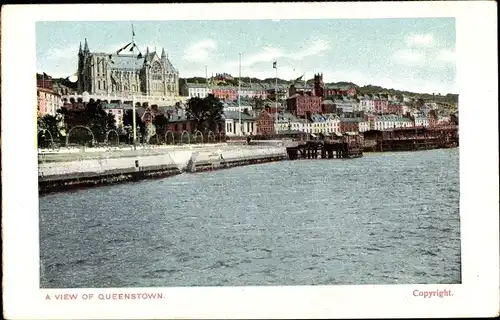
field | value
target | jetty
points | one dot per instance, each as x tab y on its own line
346	148
411	139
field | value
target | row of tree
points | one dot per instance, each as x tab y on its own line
205	114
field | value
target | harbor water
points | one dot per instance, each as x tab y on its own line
385	218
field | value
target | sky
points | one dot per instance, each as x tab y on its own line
408	54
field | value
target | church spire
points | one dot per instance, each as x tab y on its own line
80	50
163	54
86	48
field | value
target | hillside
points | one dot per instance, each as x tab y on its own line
449	98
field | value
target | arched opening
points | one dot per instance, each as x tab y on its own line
211	137
172	137
42	139
81	136
198	137
117	139
185	133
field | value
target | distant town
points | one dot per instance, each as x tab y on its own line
250	106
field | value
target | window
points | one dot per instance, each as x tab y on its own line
104	85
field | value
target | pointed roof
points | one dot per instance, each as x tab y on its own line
86	48
80	50
163	54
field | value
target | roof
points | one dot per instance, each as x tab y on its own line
196	85
126	62
235	115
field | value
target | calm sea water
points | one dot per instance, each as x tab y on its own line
386	218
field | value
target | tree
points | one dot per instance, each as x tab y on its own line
90	115
48	123
160	122
128	120
206	113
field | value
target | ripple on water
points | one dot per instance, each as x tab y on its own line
270	224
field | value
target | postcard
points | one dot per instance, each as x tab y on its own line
267	160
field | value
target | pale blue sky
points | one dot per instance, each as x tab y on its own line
413	54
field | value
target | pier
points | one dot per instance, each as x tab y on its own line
347	148
412	139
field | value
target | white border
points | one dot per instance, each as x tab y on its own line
478	295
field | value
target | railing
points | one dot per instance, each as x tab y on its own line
138	97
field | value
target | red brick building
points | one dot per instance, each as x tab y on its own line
179	125
265	123
44	81
394	108
380	106
301	104
225	93
349	125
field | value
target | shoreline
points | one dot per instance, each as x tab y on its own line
65	175
92	172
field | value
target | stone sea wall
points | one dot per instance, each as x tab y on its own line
59	172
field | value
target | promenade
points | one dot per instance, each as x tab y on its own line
65	168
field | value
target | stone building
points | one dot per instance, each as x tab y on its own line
126	74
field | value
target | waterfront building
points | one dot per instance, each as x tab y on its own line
48	101
249	124
126	75
364	125
349	125
265	123
385	122
286	121
178	124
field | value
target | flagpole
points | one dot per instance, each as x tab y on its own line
276	97
239	94
134	122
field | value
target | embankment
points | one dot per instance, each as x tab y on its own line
61	171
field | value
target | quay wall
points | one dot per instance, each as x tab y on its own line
108	168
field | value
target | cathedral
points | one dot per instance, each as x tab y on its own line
126	74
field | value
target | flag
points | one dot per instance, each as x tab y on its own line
274	64
299	78
125	47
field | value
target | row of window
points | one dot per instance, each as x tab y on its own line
231	127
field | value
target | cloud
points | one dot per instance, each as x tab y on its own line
200	51
267	54
407	56
420	40
317	48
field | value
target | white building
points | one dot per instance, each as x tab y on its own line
421	121
192	90
391	122
364	126
367	105
232	121
233	106
332	122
